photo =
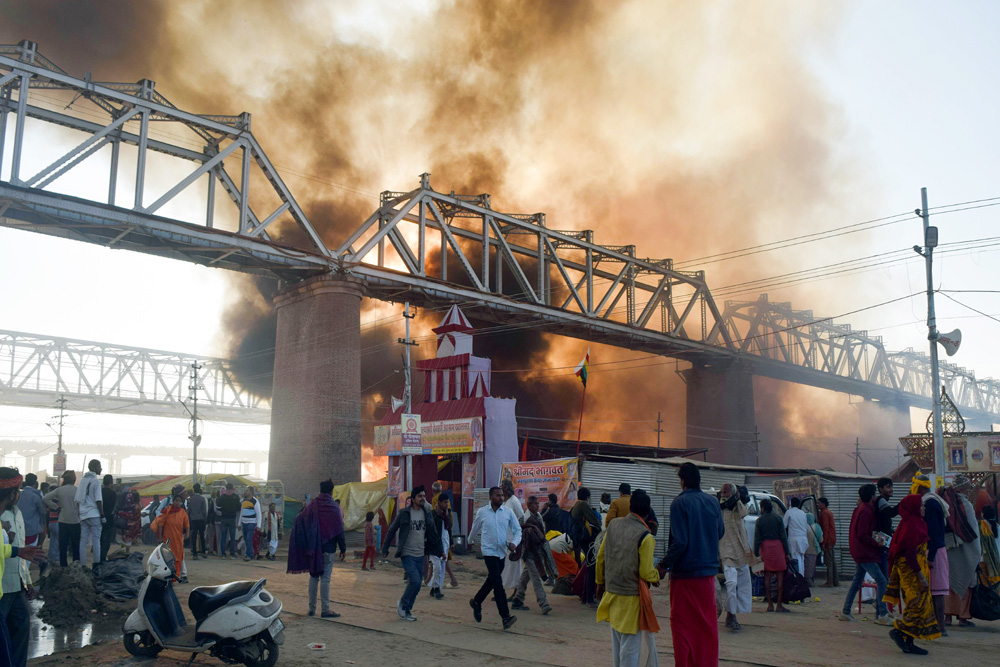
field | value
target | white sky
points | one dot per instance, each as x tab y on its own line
914	82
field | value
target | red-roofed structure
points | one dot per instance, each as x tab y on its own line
459	417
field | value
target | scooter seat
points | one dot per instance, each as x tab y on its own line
206	599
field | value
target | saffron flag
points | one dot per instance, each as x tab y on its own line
581	368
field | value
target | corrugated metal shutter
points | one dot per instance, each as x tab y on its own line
843	497
604	477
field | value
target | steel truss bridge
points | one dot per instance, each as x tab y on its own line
35	371
427	247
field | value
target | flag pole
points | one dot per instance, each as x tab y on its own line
579	431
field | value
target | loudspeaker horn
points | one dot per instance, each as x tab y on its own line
950	341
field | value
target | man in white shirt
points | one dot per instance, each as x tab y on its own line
91	506
494	521
796	525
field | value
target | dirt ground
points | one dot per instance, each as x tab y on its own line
370	633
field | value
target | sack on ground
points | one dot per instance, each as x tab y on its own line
985	604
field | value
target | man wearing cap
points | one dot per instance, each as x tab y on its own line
417	538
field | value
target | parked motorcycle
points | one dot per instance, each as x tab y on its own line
235	622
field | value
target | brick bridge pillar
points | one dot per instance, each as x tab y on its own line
720	412
316	403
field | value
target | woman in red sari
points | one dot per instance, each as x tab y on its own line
908	580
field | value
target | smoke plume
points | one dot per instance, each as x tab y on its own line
682	128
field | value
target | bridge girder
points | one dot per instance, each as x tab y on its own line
99	377
563	282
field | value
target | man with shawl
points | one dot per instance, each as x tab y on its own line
909	575
625	571
964	552
313	544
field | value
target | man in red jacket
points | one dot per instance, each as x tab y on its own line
829	529
867	553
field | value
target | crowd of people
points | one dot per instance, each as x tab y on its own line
925	568
82	519
924	556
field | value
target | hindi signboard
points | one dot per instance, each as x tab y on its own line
540	478
410	434
452	436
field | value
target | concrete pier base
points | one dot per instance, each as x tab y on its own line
720	412
316	404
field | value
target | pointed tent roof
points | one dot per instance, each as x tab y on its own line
455	320
479	389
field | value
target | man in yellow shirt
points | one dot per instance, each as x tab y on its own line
624	563
620	505
10	484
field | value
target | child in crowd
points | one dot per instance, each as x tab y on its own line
369	542
272	531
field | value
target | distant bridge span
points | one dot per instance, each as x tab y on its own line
427	247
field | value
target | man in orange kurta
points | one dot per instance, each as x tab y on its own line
173	524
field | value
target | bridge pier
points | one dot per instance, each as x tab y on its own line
316	403
720	412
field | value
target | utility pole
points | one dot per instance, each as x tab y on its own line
658	430
62	409
857	454
756	446
407	394
194	437
927	252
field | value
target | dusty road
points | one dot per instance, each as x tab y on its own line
370	633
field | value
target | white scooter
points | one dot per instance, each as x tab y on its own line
236	622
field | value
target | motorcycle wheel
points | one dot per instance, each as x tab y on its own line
141	644
266	652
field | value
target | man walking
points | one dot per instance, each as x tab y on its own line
796	527
442	524
867	553
736	553
312	546
91	506
586	526
620	505
109	500
229	515
827	525
250	518
417	539
624	569
33	511
495	521
198	514
533	555
692	559
884	514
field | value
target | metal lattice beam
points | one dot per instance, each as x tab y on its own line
35	370
423	246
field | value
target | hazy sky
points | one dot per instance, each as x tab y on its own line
908	101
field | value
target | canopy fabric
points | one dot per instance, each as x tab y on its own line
359	498
164	485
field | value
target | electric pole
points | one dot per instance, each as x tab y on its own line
407	394
194	437
756	446
62	409
927	252
658	430
857	454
